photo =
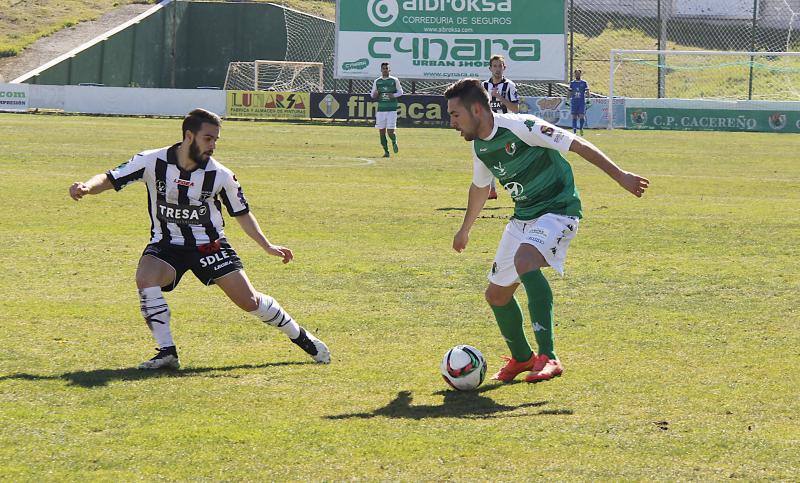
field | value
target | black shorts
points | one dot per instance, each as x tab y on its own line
207	262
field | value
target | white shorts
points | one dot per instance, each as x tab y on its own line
549	233
386	119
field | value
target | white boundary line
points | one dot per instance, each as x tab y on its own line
98	39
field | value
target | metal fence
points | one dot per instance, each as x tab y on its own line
598	26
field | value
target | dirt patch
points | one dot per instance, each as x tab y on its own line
48	48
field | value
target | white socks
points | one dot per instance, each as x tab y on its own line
156	313
271	312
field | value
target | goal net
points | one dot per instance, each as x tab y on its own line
274	75
686	74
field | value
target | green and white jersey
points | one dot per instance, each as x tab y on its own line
389	85
524	153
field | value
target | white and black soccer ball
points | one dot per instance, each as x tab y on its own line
463	367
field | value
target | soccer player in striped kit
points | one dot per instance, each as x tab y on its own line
503	97
526	154
186	189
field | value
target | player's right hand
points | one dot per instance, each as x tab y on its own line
78	190
460	240
282	252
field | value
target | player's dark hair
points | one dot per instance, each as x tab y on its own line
497	57
469	91
194	120
384	63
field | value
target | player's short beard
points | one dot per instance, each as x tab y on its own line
470	136
195	154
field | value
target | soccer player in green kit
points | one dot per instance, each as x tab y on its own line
386	89
525	154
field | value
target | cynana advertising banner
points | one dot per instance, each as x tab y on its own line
451	39
412	109
672	119
267	104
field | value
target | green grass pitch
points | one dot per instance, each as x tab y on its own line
678	318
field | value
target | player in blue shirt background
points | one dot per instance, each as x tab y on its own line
578	89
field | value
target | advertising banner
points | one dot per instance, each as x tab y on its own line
412	109
684	119
556	110
267	104
13	97
451	39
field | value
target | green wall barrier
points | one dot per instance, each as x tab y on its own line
211	35
781	118
183	45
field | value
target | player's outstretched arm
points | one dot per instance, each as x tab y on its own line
632	182
250	226
477	198
96	185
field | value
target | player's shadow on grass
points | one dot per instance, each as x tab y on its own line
467	404
101	377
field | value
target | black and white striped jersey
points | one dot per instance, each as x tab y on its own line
184	206
507	90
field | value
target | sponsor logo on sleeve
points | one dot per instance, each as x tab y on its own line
240	195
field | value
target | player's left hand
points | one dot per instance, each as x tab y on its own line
78	190
634	183
282	252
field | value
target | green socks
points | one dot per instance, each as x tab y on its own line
540	304
393	137
509	319
384	142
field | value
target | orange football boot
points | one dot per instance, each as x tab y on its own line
544	368
508	372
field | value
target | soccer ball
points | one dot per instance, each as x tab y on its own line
463	367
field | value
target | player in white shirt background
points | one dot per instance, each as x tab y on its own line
503	97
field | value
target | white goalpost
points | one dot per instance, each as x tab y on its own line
703	74
275	75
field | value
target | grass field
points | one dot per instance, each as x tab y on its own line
23	22
678	320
